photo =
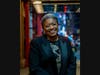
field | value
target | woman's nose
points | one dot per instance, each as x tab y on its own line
51	26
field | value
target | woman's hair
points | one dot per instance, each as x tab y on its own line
49	15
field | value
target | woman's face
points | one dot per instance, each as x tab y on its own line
50	27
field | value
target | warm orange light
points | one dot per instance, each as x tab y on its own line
37	2
38	6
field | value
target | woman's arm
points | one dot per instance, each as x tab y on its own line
71	70
34	60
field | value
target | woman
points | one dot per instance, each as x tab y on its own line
51	54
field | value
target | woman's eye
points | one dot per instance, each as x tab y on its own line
46	26
54	24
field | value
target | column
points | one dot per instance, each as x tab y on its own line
27	44
22	34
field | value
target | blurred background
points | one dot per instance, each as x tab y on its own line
31	12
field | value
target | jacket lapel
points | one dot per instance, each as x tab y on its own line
64	55
63	46
46	48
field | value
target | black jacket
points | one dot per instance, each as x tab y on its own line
42	61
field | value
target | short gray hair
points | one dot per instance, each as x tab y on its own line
49	15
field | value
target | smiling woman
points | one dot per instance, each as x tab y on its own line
48	53
51	54
50	26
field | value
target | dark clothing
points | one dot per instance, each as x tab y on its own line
42	61
55	46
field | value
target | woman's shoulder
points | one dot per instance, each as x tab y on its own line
64	38
40	39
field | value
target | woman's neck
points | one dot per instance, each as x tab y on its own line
52	39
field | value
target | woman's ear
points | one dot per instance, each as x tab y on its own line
43	32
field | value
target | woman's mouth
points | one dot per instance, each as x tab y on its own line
52	31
